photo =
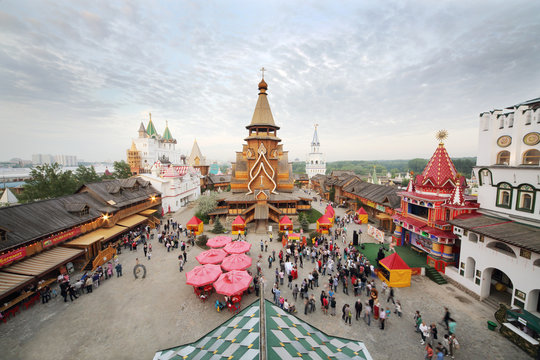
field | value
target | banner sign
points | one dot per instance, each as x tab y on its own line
376	233
421	242
12	256
53	240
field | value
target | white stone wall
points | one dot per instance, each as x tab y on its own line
476	255
152	149
175	192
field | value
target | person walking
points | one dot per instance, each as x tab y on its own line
391	295
453	345
180	263
262	246
424	332
429	352
358	308
333	306
433	334
382	318
398	308
270	259
295	292
446	317
367	314
348	314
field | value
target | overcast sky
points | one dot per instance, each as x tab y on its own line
380	78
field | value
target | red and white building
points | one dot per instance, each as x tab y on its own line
430	201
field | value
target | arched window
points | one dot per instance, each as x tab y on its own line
485	177
531	157
528	117
511	120
526	197
473	237
502	248
503	158
316	162
501	121
504	195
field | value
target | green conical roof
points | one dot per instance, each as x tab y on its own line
151	129
167	134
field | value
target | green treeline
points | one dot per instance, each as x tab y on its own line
365	167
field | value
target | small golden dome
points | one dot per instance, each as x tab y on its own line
263	85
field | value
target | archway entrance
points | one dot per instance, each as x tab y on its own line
533	301
497	286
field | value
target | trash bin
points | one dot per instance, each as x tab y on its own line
491	325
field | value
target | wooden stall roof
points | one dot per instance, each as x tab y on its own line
10	282
147	212
86	239
132	220
44	262
108	233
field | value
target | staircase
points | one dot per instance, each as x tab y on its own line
435	275
491	302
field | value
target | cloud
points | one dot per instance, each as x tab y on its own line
379	78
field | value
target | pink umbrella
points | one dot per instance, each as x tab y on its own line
236	262
218	241
212	256
233	283
237	247
203	275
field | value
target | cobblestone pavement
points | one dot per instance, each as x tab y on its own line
131	319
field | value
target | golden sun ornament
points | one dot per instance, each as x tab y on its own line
441	135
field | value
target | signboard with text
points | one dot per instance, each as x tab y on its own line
56	239
12	256
376	233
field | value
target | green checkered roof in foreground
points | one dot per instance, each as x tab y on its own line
287	337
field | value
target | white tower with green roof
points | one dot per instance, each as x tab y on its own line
155	147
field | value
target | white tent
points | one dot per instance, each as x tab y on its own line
8	198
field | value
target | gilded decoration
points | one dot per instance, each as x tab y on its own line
531	139
504	141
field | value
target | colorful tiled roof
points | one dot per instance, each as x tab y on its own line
288	337
151	129
440	171
167	133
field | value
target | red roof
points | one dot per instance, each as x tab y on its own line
285	220
239	221
361	211
394	262
194	221
330	209
324	220
440	171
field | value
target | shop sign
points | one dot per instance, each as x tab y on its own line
53	240
522	320
12	256
380	208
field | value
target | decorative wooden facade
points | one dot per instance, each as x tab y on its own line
262	183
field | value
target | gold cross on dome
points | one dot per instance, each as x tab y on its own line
262	71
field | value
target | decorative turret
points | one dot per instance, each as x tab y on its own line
142	131
315	141
410	185
262	116
196	158
150	129
167	136
374	178
457	197
440	175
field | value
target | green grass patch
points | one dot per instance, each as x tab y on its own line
411	257
312	215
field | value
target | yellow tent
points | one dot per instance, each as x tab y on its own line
362	216
195	225
395	272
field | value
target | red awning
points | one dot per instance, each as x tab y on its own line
394	262
361	211
285	221
324	220
194	221
239	221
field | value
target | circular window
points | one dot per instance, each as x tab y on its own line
504	141
531	139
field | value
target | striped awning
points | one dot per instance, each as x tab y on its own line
10	282
132	220
44	262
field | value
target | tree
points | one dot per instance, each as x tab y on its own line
85	175
48	181
206	204
218	227
417	165
405	182
304	223
332	194
121	170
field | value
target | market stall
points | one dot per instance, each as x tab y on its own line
238	226
362	216
324	224
395	272
285	224
195	225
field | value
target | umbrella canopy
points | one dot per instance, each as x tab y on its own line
237	247
236	262
233	283
212	256
218	241
203	275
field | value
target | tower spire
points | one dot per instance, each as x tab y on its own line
315	141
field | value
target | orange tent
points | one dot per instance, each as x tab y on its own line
324	224
285	224
362	216
395	272
238	225
195	225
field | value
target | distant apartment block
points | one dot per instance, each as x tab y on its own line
64	160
